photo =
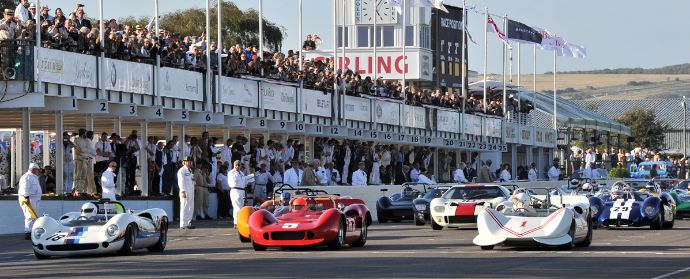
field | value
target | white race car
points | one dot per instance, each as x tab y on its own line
101	227
561	220
461	204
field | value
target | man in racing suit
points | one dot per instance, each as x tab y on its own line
185	182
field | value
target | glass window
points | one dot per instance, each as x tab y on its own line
340	37
388	36
424	36
409	36
362	36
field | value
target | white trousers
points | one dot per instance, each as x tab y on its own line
346	172
28	218
237	199
186	209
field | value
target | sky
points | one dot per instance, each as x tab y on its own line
616	33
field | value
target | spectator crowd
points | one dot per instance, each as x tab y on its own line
73	31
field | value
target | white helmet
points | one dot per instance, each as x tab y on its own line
574	183
587	187
89	210
523	197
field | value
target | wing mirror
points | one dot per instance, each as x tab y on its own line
341	206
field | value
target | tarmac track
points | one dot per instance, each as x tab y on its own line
393	251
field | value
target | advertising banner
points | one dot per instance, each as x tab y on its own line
239	92
316	103
278	97
62	67
447	121
357	109
386	112
128	77
182	84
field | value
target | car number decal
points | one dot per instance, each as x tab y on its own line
622	207
290	225
56	236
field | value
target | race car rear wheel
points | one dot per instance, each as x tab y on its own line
487	247
339	240
435	226
130	240
362	236
40	256
162	239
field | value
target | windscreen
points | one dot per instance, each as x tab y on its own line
474	193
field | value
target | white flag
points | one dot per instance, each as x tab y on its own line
438	4
553	42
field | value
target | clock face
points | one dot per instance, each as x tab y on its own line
368	11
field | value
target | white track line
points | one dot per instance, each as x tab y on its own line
672	273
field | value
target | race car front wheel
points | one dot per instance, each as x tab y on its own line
339	240
258	247
162	239
130	240
40	256
362	236
434	225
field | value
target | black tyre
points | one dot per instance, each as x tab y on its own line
364	231
381	219
130	240
163	239
669	225
244	239
487	247
258	247
435	226
588	239
339	240
658	222
569	245
418	222
40	256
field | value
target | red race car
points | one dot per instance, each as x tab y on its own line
311	221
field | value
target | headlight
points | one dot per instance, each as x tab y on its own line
38	232
649	211
439	208
420	207
112	230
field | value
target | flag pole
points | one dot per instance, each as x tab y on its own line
555	106
101	34
463	90
534	75
335	47
301	62
404	43
505	50
208	55
486	26
261	30
219	50
518	78
342	39
376	64
158	57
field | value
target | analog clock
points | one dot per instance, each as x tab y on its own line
368	11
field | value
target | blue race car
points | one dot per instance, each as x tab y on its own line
624	207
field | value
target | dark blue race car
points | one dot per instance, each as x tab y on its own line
625	207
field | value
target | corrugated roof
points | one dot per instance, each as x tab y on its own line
669	111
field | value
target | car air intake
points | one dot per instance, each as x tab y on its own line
72	247
287	235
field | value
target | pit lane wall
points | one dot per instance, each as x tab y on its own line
12	219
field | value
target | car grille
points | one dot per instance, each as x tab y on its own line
614	222
461	219
72	247
287	235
